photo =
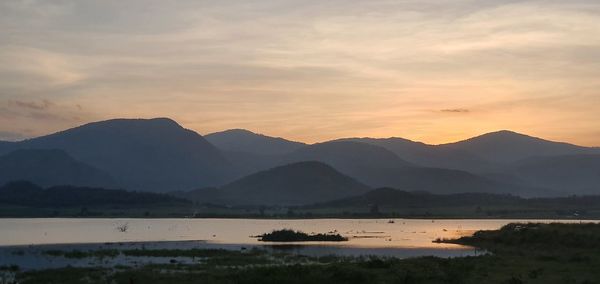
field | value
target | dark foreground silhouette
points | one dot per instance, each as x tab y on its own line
518	253
286	235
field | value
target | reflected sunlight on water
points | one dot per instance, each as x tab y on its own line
373	233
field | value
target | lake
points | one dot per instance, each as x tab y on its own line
384	237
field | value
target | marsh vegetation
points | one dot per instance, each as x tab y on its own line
287	235
520	253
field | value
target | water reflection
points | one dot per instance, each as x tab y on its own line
366	233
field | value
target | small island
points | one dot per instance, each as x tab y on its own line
287	235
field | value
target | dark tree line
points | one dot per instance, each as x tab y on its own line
25	193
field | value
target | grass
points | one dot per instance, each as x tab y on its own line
77	254
536	237
522	253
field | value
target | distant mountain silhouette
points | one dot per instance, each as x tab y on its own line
244	163
241	140
50	167
445	181
362	161
293	184
568	174
141	154
160	155
507	146
429	155
378	167
249	152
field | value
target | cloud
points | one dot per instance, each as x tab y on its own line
42	105
455	110
302	65
29	118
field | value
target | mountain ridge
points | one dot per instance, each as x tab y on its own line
242	140
141	154
291	184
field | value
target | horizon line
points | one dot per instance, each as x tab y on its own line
297	141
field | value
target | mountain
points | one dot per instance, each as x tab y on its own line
429	155
141	154
6	146
507	146
292	184
365	162
240	140
25	193
50	167
445	181
244	163
569	174
379	167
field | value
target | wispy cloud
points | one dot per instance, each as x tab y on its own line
455	110
309	69
41	105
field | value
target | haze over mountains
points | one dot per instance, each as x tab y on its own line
160	155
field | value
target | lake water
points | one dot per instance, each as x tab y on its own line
384	237
373	233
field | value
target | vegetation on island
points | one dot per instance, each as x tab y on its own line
287	235
536	236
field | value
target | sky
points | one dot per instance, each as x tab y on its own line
309	70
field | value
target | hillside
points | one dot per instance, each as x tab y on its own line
445	181
378	167
569	174
141	154
507	146
429	155
50	167
240	140
293	184
365	162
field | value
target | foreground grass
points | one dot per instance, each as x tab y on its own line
522	253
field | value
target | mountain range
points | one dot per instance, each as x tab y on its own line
160	155
293	184
140	154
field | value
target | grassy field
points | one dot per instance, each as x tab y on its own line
520	253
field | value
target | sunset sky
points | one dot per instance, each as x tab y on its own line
310	70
